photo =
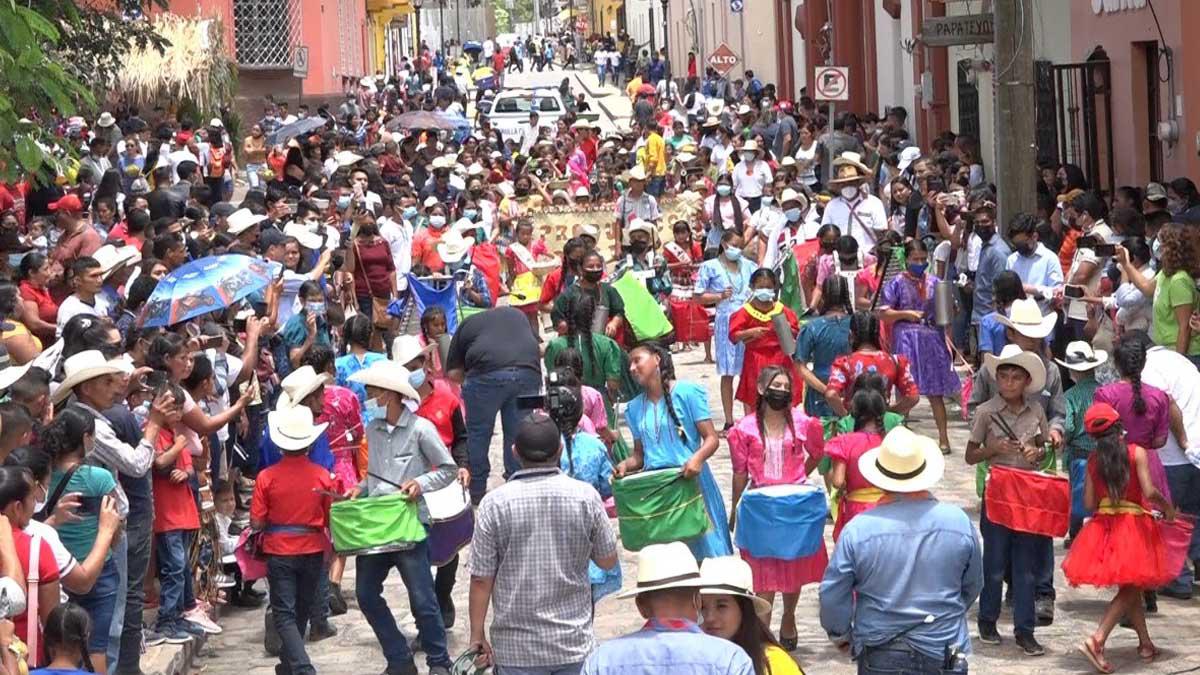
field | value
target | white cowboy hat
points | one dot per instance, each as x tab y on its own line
714	107
1080	356
242	220
431	201
307	238
10	375
347	158
730	575
1013	355
904	462
113	258
637	173
405	348
663	566
216	122
291	427
710	122
581	124
744	110
475	169
639	225
788	161
388	375
453	247
751	145
790	195
907	156
299	384
105	120
587	230
849	168
1026	318
85	366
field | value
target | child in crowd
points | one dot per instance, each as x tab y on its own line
853	494
66	633
241	592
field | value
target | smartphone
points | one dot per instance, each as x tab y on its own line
1088	241
1073	291
1105	249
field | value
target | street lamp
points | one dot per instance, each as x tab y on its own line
416	5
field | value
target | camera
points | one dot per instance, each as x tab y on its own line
560	402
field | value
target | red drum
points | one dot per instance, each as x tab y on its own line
1176	537
1028	501
452	522
689	319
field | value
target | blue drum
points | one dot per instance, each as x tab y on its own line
452	522
786	522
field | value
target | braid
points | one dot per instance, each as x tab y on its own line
1130	358
666	374
864	329
583	310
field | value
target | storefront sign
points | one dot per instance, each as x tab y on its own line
1113	6
967	29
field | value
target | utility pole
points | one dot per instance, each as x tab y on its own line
1015	126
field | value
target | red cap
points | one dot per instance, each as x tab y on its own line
183	137
68	204
784	106
1099	418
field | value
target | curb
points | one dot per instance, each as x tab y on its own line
168	659
597	98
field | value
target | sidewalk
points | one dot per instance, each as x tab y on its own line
612	101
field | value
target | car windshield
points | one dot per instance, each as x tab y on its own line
523	104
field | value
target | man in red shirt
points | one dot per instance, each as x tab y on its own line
79	238
291	506
587	141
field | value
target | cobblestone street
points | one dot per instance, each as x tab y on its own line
354	650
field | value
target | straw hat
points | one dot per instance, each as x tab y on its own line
307	238
347	158
1026	318
299	384
849	168
405	348
587	230
904	462
113	258
84	366
105	120
744	110
453	247
711	123
242	220
664	566
388	375
750	146
730	575
788	161
790	195
1081	357
637	173
639	225
714	107
292	428
1012	355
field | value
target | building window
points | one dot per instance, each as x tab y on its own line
265	32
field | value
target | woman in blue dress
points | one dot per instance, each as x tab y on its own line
357	357
908	301
822	340
672	427
724	281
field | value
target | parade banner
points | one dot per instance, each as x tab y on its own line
558	223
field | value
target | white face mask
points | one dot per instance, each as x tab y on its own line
849	192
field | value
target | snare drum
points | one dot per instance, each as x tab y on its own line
1028	501
659	507
375	525
781	521
453	522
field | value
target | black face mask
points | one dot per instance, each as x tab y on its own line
638	247
593	276
1026	248
778	399
986	233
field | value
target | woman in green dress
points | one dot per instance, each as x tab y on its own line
590	283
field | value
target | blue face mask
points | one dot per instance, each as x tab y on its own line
374	409
417	378
792	215
409	213
724	190
343	202
764	294
470	214
732	252
917	269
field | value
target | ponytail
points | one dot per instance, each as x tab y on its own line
1112	457
1130	359
666	374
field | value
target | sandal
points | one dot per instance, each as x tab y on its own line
789	644
946	449
1095	654
1147	651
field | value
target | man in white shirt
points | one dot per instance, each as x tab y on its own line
1086	212
790	231
87	298
397	231
750	175
855	211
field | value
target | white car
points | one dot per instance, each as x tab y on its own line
509	110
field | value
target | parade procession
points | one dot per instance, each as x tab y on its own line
599	337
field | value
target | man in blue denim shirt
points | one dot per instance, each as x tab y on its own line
904	574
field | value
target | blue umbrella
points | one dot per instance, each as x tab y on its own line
472	46
206	285
287	132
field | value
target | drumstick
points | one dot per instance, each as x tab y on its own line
381	478
1004	427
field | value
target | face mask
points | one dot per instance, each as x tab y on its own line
849	192
317	308
417	378
917	269
593	276
1026	248
732	253
1154	249
778	399
748	157
793	215
639	247
375	410
768	200
764	294
470	214
343	202
409	213
986	233
437	222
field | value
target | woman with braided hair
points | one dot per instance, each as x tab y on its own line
603	359
672	427
1147	412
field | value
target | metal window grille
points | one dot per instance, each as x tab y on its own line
265	32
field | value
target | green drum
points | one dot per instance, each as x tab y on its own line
658	507
375	524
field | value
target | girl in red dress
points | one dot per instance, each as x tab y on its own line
688	317
753	325
1121	545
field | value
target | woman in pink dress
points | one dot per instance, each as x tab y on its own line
777	445
852	493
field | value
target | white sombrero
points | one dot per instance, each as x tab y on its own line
1025	317
292	428
664	566
1013	355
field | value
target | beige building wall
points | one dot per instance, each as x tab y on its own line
701	25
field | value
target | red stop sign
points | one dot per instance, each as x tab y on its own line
722	59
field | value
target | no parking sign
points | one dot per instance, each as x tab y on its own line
832	83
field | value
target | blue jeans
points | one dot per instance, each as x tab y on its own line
600	74
898	658
656	186
569	669
1184	481
99	603
175	584
1002	547
413	564
292	579
136	544
484	396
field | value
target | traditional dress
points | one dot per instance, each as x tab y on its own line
349	364
588	462
651	423
1121	545
922	342
715	277
893	369
779	461
821	341
763	351
345	431
1148	430
858	495
688	317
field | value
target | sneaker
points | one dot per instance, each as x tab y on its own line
199	618
1029	644
152	638
406	668
321	630
439	670
988	634
173	634
190	628
225	581
1044	609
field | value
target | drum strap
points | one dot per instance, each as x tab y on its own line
1111	508
293	529
659	514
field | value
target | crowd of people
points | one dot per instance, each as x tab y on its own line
171	449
